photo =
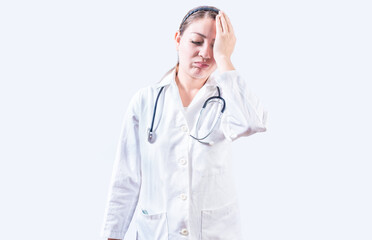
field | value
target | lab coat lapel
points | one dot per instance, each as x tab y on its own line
197	102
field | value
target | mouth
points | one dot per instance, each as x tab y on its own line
201	64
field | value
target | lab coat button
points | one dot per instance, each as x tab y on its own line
184	128
183	196
184	232
182	161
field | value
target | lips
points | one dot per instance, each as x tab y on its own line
201	64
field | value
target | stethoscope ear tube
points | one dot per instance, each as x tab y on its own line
219	97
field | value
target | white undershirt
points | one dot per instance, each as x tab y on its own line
189	115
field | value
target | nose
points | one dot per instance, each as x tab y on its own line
206	51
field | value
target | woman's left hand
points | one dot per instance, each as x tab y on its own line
224	43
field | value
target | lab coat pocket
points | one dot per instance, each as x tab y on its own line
152	226
221	223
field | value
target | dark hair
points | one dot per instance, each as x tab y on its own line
197	13
192	15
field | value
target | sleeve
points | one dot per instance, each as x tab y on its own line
244	114
126	177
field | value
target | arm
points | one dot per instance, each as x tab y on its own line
244	113
126	178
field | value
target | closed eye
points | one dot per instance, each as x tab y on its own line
197	43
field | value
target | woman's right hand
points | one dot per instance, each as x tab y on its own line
224	43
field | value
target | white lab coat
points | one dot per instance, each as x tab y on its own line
183	188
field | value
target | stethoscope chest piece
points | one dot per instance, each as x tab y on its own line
150	136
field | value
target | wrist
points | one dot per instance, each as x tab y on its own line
224	64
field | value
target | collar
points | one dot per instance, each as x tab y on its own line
170	77
167	78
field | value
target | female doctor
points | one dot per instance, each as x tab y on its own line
173	159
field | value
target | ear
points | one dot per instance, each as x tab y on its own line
177	39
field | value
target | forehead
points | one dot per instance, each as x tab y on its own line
204	26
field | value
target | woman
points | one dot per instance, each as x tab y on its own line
173	159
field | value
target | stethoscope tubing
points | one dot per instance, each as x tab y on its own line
151	135
150	131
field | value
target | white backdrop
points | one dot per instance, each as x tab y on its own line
69	68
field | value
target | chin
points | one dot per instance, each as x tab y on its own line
201	75
201	72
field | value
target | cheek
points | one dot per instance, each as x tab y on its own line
187	52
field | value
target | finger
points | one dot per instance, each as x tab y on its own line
229	24
218	24
225	28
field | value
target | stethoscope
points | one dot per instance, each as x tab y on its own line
150	131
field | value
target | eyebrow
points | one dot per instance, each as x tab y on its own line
202	35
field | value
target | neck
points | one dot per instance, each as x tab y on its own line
188	83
